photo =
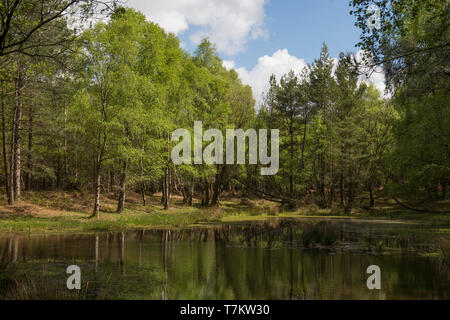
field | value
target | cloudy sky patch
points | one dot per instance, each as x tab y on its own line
260	37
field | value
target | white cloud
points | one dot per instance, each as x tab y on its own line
280	63
375	77
229	24
229	64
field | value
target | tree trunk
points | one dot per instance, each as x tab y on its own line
331	169
108	182
350	196
69	185
29	176
144	197
191	193
205	200
96	211
98	161
215	199
122	194
9	191
219	186
167	184
322	179
180	186
17	140
444	190
163	190
372	200
167	189
291	174
304	143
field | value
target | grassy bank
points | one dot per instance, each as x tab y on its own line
55	212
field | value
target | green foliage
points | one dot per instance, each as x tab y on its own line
100	115
412	47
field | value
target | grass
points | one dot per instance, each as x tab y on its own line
55	212
76	221
47	281
52	212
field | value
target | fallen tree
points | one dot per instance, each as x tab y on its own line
291	203
417	209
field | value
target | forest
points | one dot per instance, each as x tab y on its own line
88	106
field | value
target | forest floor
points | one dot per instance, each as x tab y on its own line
56	212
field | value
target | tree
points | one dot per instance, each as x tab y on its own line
412	39
377	141
322	96
23	23
349	114
104	106
413	48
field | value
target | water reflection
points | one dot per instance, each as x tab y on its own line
280	259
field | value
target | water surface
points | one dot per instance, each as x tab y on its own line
279	259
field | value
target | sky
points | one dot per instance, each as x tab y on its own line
260	37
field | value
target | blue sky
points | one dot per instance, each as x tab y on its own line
260	37
301	26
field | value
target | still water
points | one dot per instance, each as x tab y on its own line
278	259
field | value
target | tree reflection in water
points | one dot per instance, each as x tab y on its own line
275	259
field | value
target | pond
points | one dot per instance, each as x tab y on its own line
274	259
